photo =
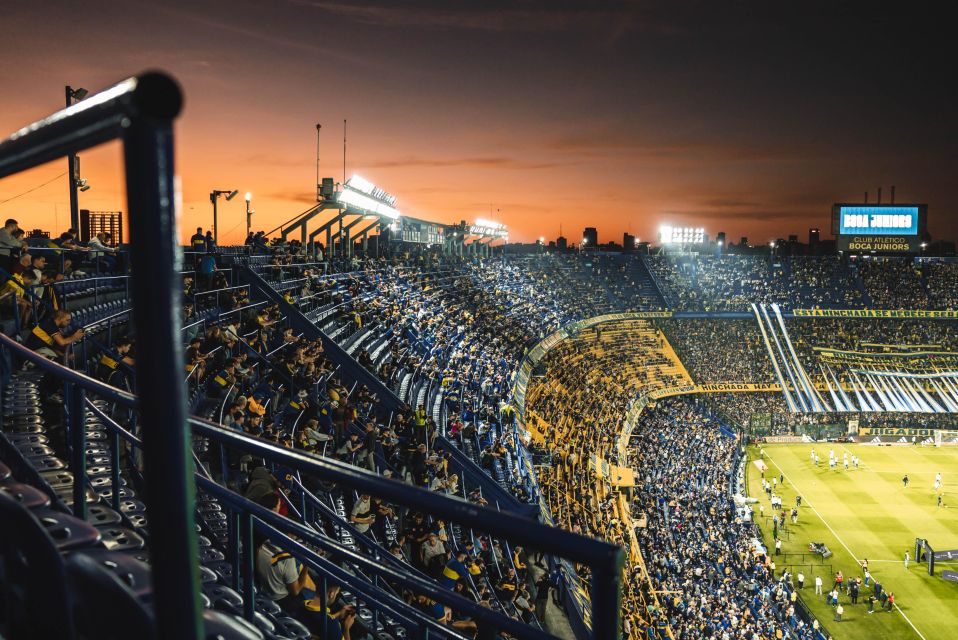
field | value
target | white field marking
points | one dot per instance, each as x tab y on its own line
837	537
912	561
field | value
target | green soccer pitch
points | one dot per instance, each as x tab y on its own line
867	513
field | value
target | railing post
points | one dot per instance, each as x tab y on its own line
606	595
170	486
76	406
235	542
115	469
249	558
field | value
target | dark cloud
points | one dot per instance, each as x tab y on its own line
476	162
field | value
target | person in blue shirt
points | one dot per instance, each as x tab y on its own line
198	241
454	570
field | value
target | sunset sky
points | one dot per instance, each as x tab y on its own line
621	115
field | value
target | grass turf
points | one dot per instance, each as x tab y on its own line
869	514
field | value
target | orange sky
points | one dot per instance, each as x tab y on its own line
547	118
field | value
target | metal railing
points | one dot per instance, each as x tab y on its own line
139	111
605	560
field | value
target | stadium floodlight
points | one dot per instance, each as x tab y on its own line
542	240
681	235
772	244
362	185
585	241
214	196
249	196
489	224
720	243
367	203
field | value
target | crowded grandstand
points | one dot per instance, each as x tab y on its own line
439	439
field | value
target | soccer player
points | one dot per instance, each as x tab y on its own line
938	481
904	481
907	559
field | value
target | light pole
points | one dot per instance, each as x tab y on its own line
73	163
214	196
250	212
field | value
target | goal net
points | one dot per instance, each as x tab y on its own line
946	438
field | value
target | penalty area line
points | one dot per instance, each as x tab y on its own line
837	537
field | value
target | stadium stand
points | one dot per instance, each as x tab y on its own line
367	449
371	557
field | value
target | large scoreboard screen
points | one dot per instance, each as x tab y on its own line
890	228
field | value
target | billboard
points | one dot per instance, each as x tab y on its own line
882	228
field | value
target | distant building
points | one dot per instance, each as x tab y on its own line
720	238
743	242
590	237
562	243
628	242
814	237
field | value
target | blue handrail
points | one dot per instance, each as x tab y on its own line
605	560
140	111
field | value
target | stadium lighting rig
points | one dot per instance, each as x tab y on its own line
681	235
363	194
214	196
483	227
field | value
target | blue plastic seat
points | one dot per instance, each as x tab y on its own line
66	531
29	497
117	538
220	626
106	607
31	565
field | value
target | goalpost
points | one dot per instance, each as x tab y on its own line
946	438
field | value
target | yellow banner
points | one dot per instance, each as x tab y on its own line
873	313
737	387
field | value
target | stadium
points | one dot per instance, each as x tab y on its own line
372	423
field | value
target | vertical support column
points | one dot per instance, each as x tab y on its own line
246	540
607	597
170	486
115	469
76	402
235	556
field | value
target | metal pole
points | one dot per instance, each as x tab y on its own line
76	405
246	539
214	197
318	185
72	177
170	486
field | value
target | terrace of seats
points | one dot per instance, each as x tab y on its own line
576	410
